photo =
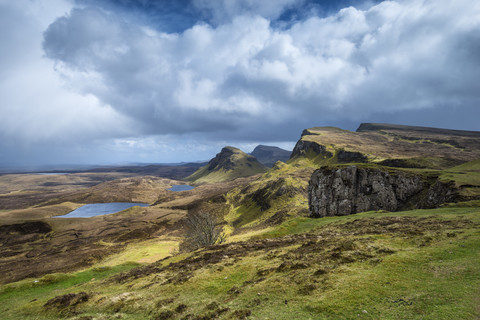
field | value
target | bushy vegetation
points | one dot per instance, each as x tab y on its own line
202	230
420	264
277	263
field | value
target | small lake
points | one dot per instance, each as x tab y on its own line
181	187
51	173
99	209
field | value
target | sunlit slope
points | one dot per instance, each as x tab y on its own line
229	164
276	196
419	264
392	145
467	179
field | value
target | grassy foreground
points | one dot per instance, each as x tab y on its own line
421	264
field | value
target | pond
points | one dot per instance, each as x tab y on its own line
181	187
99	209
51	173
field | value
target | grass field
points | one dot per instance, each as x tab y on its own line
276	263
421	264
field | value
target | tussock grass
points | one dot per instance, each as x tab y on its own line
29	295
142	252
466	177
420	264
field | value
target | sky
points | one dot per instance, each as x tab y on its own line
141	81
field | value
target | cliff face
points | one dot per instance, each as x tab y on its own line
268	155
228	164
349	190
223	160
390	145
302	147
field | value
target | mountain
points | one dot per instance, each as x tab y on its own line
391	145
268	155
277	262
228	164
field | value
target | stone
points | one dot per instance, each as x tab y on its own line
338	191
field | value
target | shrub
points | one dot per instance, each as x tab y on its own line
202	230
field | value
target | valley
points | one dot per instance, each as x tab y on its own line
398	237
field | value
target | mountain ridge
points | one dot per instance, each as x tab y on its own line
230	163
268	155
370	126
391	145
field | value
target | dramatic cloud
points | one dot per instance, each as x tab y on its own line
238	73
36	107
393	56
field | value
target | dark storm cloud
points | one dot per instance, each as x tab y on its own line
153	75
244	73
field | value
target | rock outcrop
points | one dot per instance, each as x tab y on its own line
390	145
303	147
351	156
228	164
224	159
268	155
338	191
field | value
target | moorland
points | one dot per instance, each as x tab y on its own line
275	259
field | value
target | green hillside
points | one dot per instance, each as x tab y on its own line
409	265
276	261
229	164
391	145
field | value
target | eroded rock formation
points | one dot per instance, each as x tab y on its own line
303	147
338	191
268	155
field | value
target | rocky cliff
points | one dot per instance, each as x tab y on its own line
390	145
304	147
268	155
228	164
337	191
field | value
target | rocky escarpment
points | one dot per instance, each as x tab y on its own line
337	191
223	160
268	155
303	147
386	127
389	145
228	164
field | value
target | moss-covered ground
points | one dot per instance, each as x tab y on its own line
420	264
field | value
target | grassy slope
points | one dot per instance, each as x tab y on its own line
282	190
421	264
418	148
205	176
293	178
466	177
242	168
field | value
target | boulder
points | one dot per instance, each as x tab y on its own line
338	191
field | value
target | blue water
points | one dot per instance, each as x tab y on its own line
181	187
99	209
51	173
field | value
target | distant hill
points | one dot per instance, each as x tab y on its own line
229	164
391	145
178	171
366	127
268	155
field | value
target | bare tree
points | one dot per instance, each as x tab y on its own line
202	231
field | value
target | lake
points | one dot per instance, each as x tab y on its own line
181	187
51	173
99	209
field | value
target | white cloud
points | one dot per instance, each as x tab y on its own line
395	56
239	78
36	106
